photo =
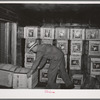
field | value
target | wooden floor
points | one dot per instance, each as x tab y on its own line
38	86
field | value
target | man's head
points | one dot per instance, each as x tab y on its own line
33	46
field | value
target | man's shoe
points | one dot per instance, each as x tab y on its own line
70	86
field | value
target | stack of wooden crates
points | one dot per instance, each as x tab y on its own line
58	37
47	37
69	40
61	37
81	47
92	53
20	75
77	37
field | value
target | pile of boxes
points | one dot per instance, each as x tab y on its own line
47	37
92	58
58	37
30	35
20	79
80	46
77	36
61	37
16	77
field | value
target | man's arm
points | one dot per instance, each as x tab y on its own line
35	63
43	62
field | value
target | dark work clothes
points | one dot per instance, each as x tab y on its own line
57	61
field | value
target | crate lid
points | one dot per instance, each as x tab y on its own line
24	70
18	69
1	65
7	67
13	68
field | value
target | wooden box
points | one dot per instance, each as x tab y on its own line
29	60
76	47
77	34
75	62
92	34
30	32
6	75
27	42
47	32
77	80
95	66
93	48
63	45
89	62
44	75
62	33
20	80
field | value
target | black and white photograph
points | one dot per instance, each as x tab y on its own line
53	46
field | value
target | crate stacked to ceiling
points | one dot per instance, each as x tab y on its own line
31	34
61	37
47	37
92	57
77	36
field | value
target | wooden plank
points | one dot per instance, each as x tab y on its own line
14	43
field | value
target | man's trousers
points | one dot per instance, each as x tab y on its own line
56	65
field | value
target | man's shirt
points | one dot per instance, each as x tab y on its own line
49	51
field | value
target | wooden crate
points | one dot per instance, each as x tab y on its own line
61	33
27	42
75	62
95	66
29	59
92	34
44	75
63	45
6	75
31	32
92	48
77	80
76	47
20	80
47	32
77	34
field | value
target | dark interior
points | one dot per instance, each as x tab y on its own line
37	14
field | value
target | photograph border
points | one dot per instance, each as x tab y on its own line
48	93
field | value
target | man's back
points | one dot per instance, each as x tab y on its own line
50	51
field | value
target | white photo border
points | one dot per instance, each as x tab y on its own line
48	93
